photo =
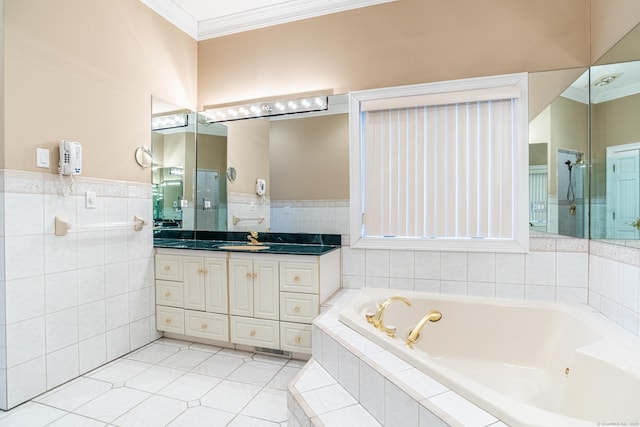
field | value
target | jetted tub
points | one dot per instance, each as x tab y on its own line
527	363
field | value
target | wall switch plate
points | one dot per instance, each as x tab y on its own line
90	199
42	158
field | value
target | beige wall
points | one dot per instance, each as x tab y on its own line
614	123
310	158
569	131
85	70
403	42
610	21
248	152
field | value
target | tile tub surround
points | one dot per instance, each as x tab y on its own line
555	269
71	303
351	378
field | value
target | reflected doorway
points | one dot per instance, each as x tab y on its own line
623	191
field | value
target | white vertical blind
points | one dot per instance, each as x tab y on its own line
440	170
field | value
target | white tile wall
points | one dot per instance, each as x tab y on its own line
247	206
310	216
614	283
556	269
70	303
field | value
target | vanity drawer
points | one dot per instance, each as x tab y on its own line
295	307
169	293
299	277
255	332
170	319
169	267
206	325
295	337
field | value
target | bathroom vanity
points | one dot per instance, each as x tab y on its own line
232	293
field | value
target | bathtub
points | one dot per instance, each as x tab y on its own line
527	363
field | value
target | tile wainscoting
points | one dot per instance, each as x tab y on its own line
71	303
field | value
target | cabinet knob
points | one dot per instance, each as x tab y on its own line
200	271
205	271
203	326
298	339
297	309
296	279
167	268
167	320
252	333
255	275
249	275
167	294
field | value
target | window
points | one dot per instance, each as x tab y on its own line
441	166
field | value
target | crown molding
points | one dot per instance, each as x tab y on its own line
281	13
174	14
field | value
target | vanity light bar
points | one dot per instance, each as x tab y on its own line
267	109
170	121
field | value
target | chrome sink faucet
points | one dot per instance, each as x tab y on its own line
377	318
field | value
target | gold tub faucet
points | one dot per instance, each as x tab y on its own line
377	318
414	334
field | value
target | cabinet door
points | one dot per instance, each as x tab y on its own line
296	307
169	267
169	293
170	319
215	285
295	337
206	325
241	287
266	290
193	283
299	277
255	332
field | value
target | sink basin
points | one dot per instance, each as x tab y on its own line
243	247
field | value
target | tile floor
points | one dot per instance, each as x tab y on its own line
169	382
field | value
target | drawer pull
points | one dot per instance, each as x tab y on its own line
167	268
298	339
167	320
297	309
167	294
203	326
296	279
252	333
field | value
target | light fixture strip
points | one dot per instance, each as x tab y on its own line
170	121
267	109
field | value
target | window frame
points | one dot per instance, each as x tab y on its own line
452	91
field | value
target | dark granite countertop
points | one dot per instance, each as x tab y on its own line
276	243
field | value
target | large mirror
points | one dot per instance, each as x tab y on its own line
558	150
302	159
615	143
173	145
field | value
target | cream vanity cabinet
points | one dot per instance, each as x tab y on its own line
252	299
274	298
191	294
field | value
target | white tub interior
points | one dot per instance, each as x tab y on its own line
529	363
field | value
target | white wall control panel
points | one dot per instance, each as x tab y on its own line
90	199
